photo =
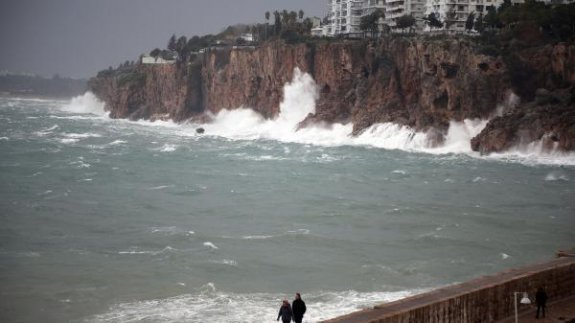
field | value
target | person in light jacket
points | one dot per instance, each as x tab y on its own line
285	312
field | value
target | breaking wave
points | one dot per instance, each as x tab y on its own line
300	96
225	307
86	104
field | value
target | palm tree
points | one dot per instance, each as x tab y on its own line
277	23
300	14
267	24
172	43
285	16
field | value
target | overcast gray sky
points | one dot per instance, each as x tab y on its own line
77	38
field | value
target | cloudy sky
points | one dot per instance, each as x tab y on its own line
77	38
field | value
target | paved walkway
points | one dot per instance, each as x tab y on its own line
562	311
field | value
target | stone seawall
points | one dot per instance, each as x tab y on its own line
486	299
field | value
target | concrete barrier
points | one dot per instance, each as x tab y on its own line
485	299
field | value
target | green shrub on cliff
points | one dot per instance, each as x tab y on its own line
131	78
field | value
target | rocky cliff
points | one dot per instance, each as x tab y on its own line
421	83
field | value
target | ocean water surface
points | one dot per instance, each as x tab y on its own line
115	221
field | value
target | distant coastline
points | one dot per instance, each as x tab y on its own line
26	85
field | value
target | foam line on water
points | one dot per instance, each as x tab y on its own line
210	304
300	96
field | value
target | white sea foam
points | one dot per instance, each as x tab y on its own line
299	231
160	187
168	148
117	142
46	131
557	176
68	140
210	245
87	103
80	164
257	237
82	135
300	96
227	262
138	251
210	304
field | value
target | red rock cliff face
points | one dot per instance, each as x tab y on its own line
416	82
151	92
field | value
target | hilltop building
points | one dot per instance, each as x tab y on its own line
147	59
456	11
344	16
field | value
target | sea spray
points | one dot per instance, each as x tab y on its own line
226	307
86	103
300	96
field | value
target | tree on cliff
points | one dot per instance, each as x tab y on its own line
470	21
284	17
491	19
181	48
450	18
405	21
277	23
172	43
433	21
155	53
371	22
292	18
479	24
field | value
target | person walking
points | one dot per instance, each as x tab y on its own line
285	312
541	300
298	308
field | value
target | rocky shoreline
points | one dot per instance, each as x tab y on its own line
420	82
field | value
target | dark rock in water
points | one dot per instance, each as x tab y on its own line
553	124
200	130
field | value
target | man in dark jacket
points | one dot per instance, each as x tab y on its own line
298	308
541	300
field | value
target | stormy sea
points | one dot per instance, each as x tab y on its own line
106	220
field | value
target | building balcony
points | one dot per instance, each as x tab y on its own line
395	9
394	15
395	5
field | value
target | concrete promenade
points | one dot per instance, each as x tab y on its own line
562	311
485	299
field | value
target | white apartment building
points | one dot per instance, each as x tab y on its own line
344	16
457	11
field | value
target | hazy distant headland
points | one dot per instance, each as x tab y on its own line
15	84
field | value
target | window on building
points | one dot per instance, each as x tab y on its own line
343	21
479	8
343	28
460	8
